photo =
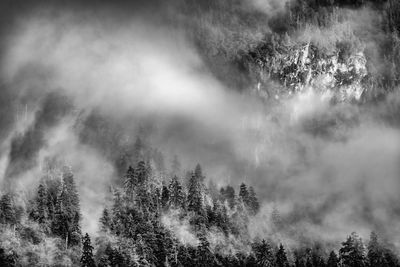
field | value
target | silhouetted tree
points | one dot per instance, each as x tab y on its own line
264	254
281	257
177	195
352	252
87	253
7	210
333	260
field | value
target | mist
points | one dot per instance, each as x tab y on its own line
330	168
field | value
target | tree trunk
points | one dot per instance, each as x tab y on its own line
66	242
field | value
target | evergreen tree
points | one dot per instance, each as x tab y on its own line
66	223
142	174
264	254
7	210
352	252
253	201
195	194
281	258
165	195
130	182
375	254
105	220
244	194
199	173
333	260
87	253
41	205
204	256
177	195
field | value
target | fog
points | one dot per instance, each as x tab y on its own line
329	168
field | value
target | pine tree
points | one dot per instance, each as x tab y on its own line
253	201
142	174
165	195
177	195
333	260
42	212
244	194
204	255
130	182
352	252
199	173
105	220
87	253
375	252
281	258
7	210
195	194
66	223
264	254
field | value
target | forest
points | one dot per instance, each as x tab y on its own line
200	133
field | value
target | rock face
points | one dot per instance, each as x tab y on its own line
295	67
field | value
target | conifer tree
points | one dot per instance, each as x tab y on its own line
253	201
130	182
195	193
41	203
177	195
7	210
87	253
204	256
352	252
375	253
281	258
105	220
198	172
264	254
244	194
165	196
333	260
66	223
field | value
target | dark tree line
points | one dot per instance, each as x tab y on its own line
133	233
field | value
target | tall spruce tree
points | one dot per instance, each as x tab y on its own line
7	210
264	254
87	253
244	194
105	220
176	193
253	201
281	257
352	252
42	211
66	223
130	182
375	254
195	193
333	260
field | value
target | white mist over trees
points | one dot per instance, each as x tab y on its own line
290	107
